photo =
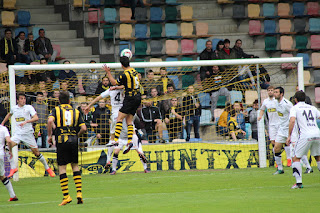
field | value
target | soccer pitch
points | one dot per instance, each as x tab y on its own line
236	190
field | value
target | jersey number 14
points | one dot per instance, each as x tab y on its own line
309	116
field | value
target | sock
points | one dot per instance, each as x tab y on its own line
277	157
287	149
114	162
43	161
135	140
130	132
318	164
109	155
305	161
145	166
64	185
117	131
9	187
297	171
10	160
77	180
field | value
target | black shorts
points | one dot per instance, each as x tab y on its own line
131	104
67	152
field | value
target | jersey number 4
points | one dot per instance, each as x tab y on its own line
309	116
117	97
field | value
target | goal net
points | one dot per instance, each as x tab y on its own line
188	119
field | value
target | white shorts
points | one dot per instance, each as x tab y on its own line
305	144
2	164
273	130
27	139
281	139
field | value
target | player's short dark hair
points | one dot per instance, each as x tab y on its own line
300	96
150	71
256	101
171	85
280	89
92	61
64	97
44	59
20	94
124	60
226	41
232	113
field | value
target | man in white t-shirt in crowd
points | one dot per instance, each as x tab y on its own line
309	134
25	115
5	136
283	109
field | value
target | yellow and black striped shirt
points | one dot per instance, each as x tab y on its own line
67	120
130	80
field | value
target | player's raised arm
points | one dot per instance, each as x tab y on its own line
93	102
34	118
6	119
108	72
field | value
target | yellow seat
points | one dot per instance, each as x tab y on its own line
9	4
186	13
202	29
306	77
78	3
156	70
285	26
8	19
286	43
284	10
126	32
125	15
254	11
250	96
187	30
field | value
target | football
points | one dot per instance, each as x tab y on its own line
127	53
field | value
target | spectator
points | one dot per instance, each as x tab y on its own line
165	105
87	119
240	115
173	119
151	117
308	100
264	76
235	131
29	47
149	82
239	51
31	93
223	121
154	96
103	86
47	76
70	76
219	47
43	47
9	48
164	81
101	120
41	126
64	86
29	77
206	54
227	53
192	112
89	83
54	101
23	56
253	115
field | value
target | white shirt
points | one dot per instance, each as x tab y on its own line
271	105
22	114
3	134
306	118
116	97
283	109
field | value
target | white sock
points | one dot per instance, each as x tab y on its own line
287	149
109	155
318	164
305	161
9	187
297	171
278	161
114	162
10	160
145	166
135	140
43	161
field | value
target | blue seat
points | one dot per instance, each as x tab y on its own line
205	119
141	31
204	99
298	9
24	18
172	69
35	32
314	25
124	45
270	26
215	41
201	44
56	85
95	3
268	10
20	73
248	130
175	80
171	30
21	29
236	96
110	15
172	2
156	14
306	59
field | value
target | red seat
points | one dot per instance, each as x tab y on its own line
315	42
93	15
317	94
187	46
57	48
255	28
313	8
286	66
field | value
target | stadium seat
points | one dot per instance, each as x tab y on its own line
286	66
238	11
298	9
172	47
156	14
155	30
268	10
186	13
95	3
24	18
315	58
201	45
255	28
313	8
140	48
215	41
155	69
110	15
8	18
187	69
110	3
205	119
175	80
156	2
217	113
285	26
202	30
172	2
108	31
314	25
141	31
156	47
187	30
221	103
3	67
141	14
172	69
270	43
35	32
126	32
187	46
317	95
78	3
125	15
140	70
306	77
286	43
9	4
204	99
20	73
171	30
263	95
270	27
235	96
284	10
171	14
254	11
187	80
21	29
124	45
315	42
306	59
316	77
301	42
93	14
57	47
250	96
299	25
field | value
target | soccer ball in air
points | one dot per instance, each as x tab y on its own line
127	53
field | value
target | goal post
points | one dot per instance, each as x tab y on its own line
180	71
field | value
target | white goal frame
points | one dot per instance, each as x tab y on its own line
261	135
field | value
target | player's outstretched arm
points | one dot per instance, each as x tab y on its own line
6	118
108	72
93	102
34	118
83	129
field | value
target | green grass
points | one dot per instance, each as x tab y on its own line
242	190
